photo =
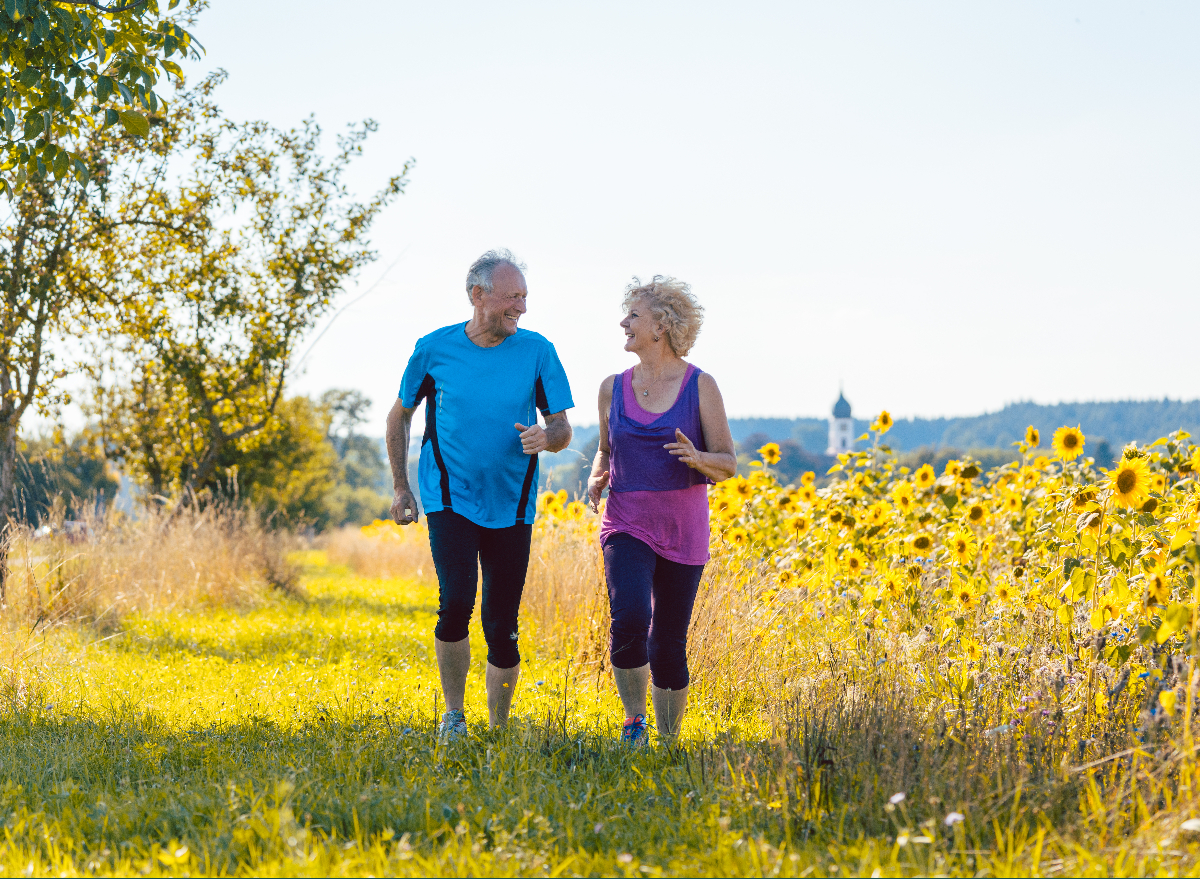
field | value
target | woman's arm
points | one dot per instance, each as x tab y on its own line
598	480
720	461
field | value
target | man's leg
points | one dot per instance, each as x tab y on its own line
454	544
504	559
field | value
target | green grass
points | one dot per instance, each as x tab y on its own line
297	738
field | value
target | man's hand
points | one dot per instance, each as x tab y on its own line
404	507
533	439
596	486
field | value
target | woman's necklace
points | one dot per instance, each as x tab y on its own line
646	389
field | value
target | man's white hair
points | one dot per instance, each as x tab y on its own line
481	271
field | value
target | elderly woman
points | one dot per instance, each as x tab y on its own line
663	438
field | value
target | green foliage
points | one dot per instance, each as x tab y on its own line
67	68
52	470
231	263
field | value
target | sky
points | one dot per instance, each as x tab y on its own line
941	207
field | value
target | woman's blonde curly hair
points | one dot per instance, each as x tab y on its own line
672	304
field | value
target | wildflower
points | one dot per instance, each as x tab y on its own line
976	513
576	510
1004	593
1158	483
914	572
971	650
921	542
785	578
785	501
770	453
892	585
877	513
924	477
742	487
965	596
883	423
1130	481
798	526
808	478
1032	438
1068	443
738	536
955	818
902	496
807	493
953	468
1158	589
1150	505
1012	502
855	562
962	545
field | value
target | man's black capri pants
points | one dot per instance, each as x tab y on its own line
460	550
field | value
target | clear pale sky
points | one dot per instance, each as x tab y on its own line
944	206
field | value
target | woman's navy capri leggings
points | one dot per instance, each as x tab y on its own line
460	550
651	599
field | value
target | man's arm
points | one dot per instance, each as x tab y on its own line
399	428
554	437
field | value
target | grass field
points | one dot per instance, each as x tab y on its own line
210	708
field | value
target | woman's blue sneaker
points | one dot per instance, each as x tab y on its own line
635	733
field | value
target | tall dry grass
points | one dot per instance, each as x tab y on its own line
111	566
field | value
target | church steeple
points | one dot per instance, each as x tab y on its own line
841	427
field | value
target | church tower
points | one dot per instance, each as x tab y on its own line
841	428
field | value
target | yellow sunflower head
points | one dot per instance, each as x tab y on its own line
1004	593
922	542
808	478
807	493
738	536
971	650
976	513
855	563
1158	483
1158	588
1068	443
893	585
962	546
576	510
1032	438
785	501
547	500
878	513
1012	502
743	488
785	578
883	423
798	526
924	477
1129	482
770	453
965	596
953	467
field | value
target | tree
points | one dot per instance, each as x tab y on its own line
68	67
223	273
358	495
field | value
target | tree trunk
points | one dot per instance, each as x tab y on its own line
8	472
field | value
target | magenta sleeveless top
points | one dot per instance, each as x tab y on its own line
653	496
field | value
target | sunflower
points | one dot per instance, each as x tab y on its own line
971	650
808	478
1012	502
883	423
855	563
738	536
914	572
1032	438
1083	497
893	586
1158	589
807	493
1068	443
575	510
924	477
1130	482
965	596
835	516
547	500
1004	593
743	488
976	513
785	578
1158	483
1150	505
953	467
921	542
770	453
878	513
962	546
785	501
902	489
798	526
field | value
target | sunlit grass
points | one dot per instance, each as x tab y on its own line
296	737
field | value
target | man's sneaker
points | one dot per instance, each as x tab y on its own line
452	727
635	734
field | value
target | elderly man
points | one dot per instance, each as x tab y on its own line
481	381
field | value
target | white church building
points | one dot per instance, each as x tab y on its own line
841	428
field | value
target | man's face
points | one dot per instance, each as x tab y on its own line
500	310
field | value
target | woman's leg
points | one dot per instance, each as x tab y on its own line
504	560
629	571
673	597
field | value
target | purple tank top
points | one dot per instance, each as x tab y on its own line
637	460
653	496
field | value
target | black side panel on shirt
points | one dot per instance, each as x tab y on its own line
428	392
540	396
539	399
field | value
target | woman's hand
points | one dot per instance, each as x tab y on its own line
596	486
684	450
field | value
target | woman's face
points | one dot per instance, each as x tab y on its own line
640	327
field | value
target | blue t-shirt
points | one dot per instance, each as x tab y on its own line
471	458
